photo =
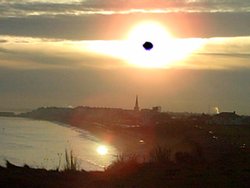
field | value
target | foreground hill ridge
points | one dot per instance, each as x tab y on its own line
187	170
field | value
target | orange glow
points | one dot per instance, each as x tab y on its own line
167	51
149	31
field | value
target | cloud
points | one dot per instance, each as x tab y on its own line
109	19
2	50
215	61
236	55
161	3
215	53
112	27
32	53
3	41
107	7
229	53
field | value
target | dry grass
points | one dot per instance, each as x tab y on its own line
71	162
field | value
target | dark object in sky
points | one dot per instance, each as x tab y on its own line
148	45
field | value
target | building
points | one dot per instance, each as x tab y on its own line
226	118
156	109
136	108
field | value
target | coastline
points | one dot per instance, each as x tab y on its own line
126	142
136	141
186	169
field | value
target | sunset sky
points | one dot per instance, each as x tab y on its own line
85	52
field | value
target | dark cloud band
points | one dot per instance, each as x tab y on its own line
110	27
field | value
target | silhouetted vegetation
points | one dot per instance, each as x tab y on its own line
160	155
159	170
71	161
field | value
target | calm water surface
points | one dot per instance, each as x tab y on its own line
42	144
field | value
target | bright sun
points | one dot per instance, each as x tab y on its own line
102	150
149	31
167	51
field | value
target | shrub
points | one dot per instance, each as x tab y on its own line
71	162
160	155
123	164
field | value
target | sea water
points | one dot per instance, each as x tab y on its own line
42	144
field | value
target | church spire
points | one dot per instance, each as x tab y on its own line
136	108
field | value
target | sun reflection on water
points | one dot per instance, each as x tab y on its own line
102	150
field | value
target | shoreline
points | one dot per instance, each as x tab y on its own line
186	170
126	142
136	141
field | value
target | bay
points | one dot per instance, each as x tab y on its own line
42	144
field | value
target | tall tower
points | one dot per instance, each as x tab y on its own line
136	108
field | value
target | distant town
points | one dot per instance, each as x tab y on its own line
130	118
